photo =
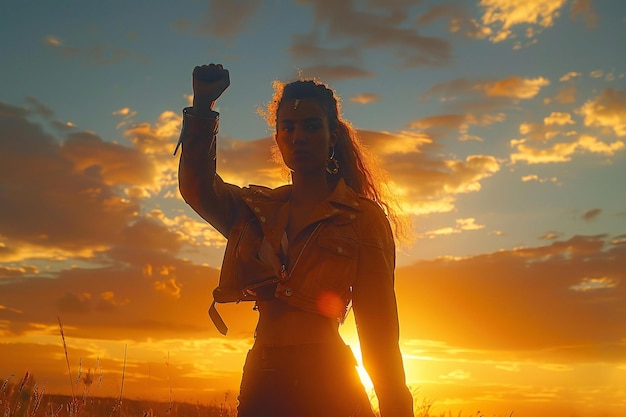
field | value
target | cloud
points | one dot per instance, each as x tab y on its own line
47	200
512	300
596	73
549	143
583	8
570	75
566	95
462	225
426	181
562	151
533	177
503	16
336	72
607	111
39	107
592	284
307	47
458	20
80	178
226	19
435	125
591	214
371	26
365	98
515	88
100	55
550	236
145	293
79	197
558	118
450	121
112	163
127	116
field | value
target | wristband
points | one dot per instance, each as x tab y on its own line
188	113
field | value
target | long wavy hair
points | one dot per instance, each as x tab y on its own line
357	166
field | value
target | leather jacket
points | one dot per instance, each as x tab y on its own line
344	254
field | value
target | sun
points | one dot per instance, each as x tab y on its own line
349	335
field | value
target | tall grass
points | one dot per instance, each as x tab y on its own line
26	398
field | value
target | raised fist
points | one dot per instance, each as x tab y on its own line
209	82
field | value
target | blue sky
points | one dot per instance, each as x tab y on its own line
501	123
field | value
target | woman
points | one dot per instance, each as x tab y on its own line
303	252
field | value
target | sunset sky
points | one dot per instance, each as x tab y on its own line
501	123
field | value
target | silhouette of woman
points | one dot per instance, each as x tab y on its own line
304	253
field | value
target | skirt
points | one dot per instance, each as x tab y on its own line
311	380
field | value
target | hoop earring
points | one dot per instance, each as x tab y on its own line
332	162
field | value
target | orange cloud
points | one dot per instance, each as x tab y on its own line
114	164
563	151
461	226
515	87
127	116
607	111
570	75
513	300
533	177
450	121
459	122
16	271
365	98
50	202
427	184
503	15
547	143
558	118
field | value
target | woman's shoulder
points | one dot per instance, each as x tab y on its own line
373	224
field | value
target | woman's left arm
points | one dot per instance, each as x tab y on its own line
376	315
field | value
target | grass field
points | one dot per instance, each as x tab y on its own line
25	397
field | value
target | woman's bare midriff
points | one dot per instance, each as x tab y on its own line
280	325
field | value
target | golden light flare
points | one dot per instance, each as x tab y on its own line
349	335
330	304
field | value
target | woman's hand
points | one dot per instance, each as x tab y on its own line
209	82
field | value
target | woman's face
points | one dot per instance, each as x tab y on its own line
303	136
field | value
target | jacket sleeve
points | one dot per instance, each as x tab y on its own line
376	316
199	184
